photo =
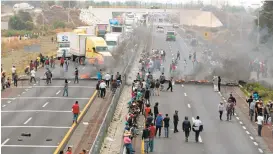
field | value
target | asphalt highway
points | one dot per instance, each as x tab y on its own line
42	111
196	100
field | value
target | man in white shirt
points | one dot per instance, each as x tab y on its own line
107	78
102	89
13	71
221	108
260	121
32	76
197	127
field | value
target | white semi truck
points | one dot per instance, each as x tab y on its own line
63	40
113	40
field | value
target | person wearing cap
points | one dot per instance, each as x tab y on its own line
145	137
186	127
221	109
175	121
197	127
252	109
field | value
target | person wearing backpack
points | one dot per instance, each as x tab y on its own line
145	137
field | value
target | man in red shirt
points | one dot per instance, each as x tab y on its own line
76	111
152	136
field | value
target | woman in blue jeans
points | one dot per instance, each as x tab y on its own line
128	142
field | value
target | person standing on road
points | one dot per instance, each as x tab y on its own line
155	111
260	121
66	65
99	75
158	124
107	78
69	150
13	71
76	75
62	62
102	89
249	101
157	86
178	55
149	119
15	80
36	64
65	88
186	127
32	76
76	111
175	121
170	85
219	83
197	128
166	125
145	137
221	108
252	110
266	113
147	95
152	87
152	136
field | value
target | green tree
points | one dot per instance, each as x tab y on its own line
16	23
58	24
24	16
266	16
29	25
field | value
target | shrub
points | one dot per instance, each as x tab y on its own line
265	93
58	24
29	25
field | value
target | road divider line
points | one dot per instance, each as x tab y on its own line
9	102
185	94
5	142
19	95
45	104
31	146
71	130
247	132
237	118
251	137
189	106
260	150
241	122
4	106
244	127
58	92
235	114
255	143
50	127
83	68
182	85
69	81
27	120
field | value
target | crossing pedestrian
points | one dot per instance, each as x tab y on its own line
166	121
145	137
197	128
158	124
32	76
76	111
152	129
175	121
221	108
186	127
170	85
65	88
76	79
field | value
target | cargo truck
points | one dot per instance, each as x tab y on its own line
85	30
63	41
113	40
101	30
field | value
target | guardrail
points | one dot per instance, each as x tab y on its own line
96	147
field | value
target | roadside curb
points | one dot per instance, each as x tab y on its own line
74	126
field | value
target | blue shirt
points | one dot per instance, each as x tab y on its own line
99	76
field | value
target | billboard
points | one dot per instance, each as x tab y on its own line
119	16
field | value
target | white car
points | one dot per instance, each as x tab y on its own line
175	26
160	29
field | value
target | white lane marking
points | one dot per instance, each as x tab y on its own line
69	81
8	98
83	68
26	89
45	104
251	137
5	141
255	143
260	150
237	118
189	106
4	106
27	120
223	97
55	127
241	122
182	85
247	132
9	102
185	94
31	146
19	95
235	114
244	127
22	111
23	92
91	87
44	98
34	84
58	92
